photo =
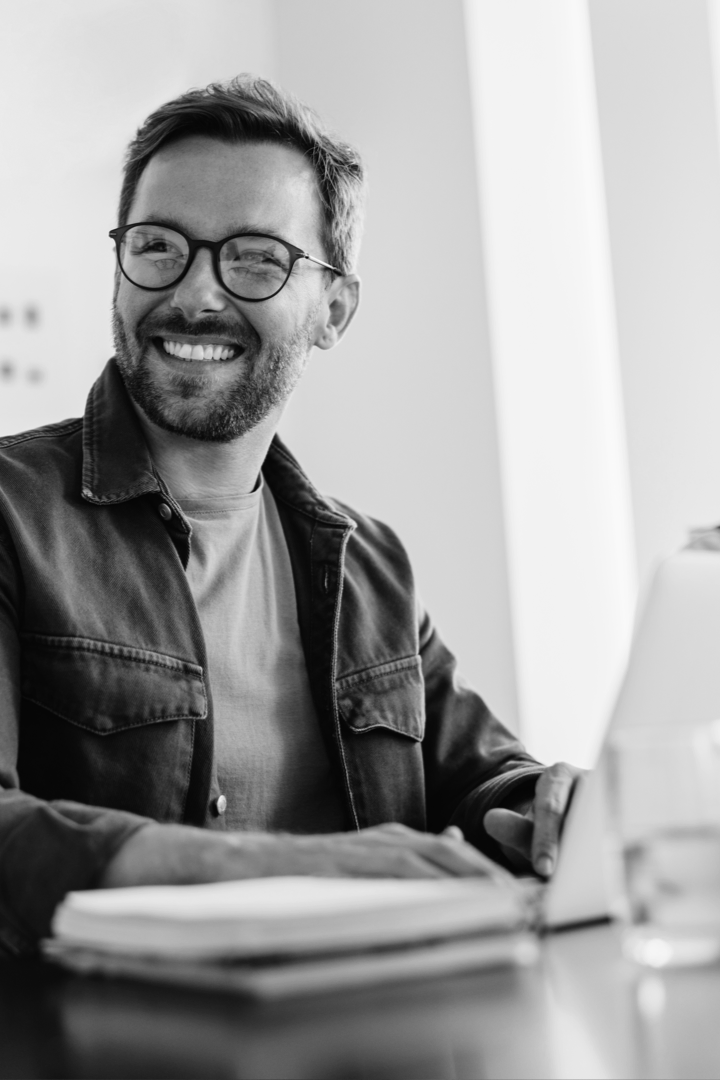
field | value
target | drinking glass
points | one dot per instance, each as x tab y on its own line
664	798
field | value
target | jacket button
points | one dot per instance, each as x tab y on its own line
220	805
164	511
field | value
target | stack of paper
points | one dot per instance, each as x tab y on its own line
283	935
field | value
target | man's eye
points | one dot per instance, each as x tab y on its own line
161	247
255	258
155	248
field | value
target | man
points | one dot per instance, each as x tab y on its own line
207	669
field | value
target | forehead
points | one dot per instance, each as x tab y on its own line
213	188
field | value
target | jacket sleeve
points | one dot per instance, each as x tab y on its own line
46	848
472	762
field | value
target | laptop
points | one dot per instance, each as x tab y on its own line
672	677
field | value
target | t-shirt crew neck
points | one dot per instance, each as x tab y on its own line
271	761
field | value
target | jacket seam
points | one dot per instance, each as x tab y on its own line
119	496
314	517
310	575
93	441
385	727
116	728
188	771
180	667
69	427
335	706
370	674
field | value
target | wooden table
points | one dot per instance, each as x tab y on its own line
581	1012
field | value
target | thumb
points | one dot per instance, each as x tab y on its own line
510	829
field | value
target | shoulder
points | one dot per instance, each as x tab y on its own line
290	484
366	527
375	553
41	440
38	464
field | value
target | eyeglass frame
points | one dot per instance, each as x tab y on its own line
214	246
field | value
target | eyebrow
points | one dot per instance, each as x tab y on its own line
251	228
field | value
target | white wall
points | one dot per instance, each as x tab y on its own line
76	79
557	379
658	122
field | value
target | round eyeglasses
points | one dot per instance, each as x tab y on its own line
250	266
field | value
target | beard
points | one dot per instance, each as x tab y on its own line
188	405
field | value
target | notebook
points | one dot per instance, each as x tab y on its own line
274	937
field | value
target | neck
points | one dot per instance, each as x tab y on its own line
193	469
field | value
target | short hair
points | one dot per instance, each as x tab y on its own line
251	109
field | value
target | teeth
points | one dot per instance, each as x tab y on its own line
198	352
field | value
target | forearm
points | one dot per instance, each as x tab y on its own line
473	763
46	850
184	855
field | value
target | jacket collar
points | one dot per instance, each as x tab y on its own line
116	461
117	465
289	483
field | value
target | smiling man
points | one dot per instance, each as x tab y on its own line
208	670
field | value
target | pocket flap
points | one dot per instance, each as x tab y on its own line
391	696
106	687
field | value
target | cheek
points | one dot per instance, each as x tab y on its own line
132	304
268	323
280	318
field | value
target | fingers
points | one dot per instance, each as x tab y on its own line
552	797
395	863
460	859
447	854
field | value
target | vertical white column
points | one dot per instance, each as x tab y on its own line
658	122
559	401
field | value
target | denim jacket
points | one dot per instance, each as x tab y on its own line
106	716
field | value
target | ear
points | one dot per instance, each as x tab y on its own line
342	301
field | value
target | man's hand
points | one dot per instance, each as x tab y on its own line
529	838
179	854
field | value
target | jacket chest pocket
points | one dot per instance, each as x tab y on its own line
382	715
107	688
389	697
107	724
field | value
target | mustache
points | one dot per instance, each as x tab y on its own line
174	322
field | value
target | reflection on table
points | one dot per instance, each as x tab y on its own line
581	1012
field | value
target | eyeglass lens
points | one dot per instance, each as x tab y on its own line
253	267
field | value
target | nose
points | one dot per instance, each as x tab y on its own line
199	291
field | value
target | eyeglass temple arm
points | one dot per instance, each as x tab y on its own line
321	263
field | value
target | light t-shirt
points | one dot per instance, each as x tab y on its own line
272	764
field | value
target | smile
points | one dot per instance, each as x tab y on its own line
206	350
